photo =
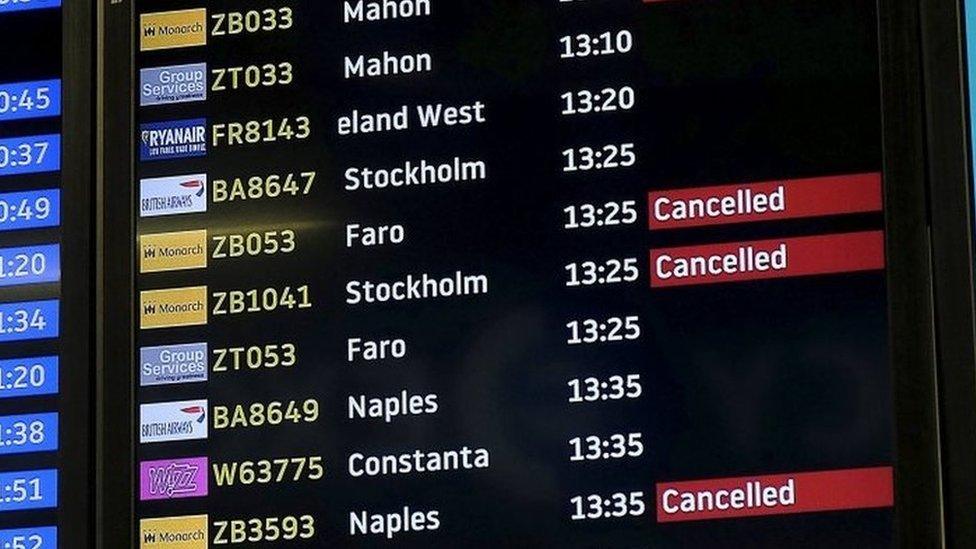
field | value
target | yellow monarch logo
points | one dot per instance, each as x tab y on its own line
173	251
173	29
188	532
173	307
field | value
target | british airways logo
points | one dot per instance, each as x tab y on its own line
171	421
173	139
178	194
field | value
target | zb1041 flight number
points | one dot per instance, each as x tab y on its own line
236	302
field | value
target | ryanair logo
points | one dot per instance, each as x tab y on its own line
173	29
173	307
173	251
173	139
186	532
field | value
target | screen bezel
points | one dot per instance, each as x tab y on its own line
77	393
949	160
909	277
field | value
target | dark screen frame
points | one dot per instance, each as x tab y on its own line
77	396
950	186
918	474
115	268
919	517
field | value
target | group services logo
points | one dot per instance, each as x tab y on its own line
173	478
173	84
173	364
173	29
173	421
173	195
173	139
185	532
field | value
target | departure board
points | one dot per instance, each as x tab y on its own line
32	357
471	273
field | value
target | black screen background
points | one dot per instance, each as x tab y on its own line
740	379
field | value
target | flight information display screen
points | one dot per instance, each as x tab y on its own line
471	273
32	357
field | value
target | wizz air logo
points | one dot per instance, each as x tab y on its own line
174	478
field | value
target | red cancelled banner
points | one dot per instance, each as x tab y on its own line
762	259
775	494
767	201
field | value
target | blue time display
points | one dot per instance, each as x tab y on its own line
25	433
32	154
29	320
30	210
23	490
43	537
23	100
27	377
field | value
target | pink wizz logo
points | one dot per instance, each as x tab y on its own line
173	478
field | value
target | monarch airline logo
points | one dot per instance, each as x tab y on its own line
173	478
173	84
173	251
173	139
173	421
173	29
172	364
187	532
179	194
173	307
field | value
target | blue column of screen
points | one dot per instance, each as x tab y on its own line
25	5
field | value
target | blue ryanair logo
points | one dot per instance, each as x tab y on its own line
173	139
173	84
